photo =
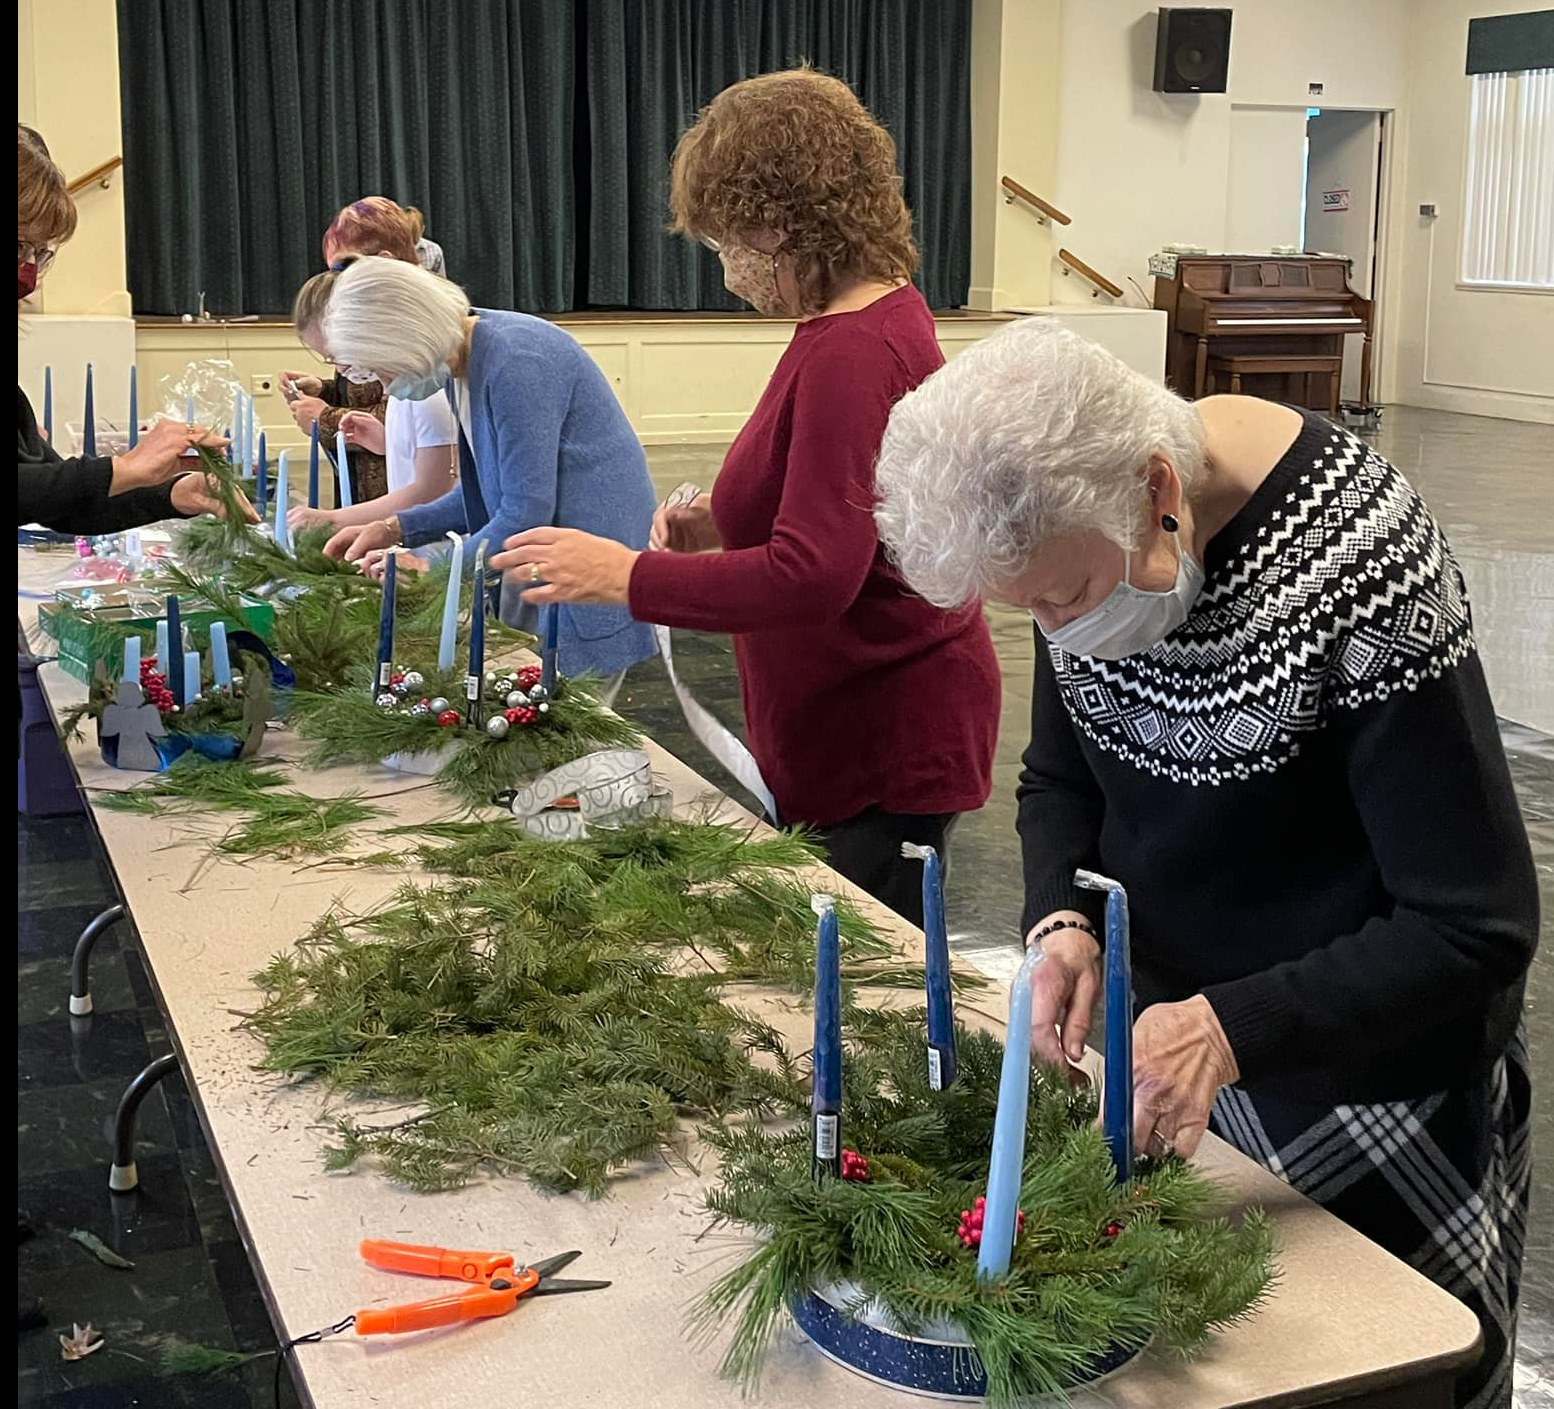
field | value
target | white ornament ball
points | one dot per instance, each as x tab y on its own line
497	727
438	705
490	676
516	698
544	708
414	679
387	701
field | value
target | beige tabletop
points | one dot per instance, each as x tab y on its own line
1345	1317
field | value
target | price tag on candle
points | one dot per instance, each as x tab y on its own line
472	688
825	1137
384	672
935	1070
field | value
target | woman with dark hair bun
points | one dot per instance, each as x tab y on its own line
872	714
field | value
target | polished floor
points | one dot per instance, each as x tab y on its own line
1489	483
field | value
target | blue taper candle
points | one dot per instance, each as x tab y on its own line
385	671
191	677
477	638
1006	1168
48	404
234	450
188	409
552	639
450	604
1117	1095
163	653
936	969
134	414
825	1102
262	470
89	428
344	468
173	659
313	468
249	443
220	657
282	495
132	658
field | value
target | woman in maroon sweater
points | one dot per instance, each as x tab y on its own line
872	714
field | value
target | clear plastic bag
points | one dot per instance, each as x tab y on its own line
207	393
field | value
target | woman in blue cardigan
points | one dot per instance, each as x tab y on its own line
542	439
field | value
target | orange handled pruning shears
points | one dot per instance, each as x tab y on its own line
498	1285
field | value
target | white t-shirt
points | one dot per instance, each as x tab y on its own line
409	426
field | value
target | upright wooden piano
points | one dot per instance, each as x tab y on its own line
1262	315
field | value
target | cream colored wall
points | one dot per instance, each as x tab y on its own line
1458	349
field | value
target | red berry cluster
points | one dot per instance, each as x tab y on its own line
970	1230
520	715
1112	1229
854	1166
529	677
153	684
397	678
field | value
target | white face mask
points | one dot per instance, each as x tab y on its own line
1131	620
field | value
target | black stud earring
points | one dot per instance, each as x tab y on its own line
1169	523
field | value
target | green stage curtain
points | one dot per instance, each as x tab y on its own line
249	123
651	64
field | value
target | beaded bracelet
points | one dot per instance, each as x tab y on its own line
1057	925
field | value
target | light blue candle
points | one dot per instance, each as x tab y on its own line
248	439
313	486
450	604
48	404
936	969
282	492
220	661
132	659
89	429
191	677
188	409
552	639
162	654
1117	1102
825	1101
134	415
1005	1168
234	450
262	470
344	470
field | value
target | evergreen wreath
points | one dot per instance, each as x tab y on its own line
1097	1266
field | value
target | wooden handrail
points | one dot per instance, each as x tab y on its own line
96	174
1080	267
1014	188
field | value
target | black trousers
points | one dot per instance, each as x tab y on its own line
866	849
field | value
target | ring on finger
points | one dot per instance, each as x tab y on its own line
534	572
1167	1148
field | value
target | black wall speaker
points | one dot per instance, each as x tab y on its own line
1192	51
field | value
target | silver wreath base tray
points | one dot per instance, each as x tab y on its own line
940	1363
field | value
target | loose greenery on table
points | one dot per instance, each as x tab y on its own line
1097	1266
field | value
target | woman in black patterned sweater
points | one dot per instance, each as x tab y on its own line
1258	705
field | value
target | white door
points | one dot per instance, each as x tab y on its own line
1343	173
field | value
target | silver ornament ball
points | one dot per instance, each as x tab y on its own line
414	680
516	698
497	727
538	694
438	705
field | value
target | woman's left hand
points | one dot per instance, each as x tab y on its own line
567	565
305	410
1181	1057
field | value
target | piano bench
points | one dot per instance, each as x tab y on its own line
1237	365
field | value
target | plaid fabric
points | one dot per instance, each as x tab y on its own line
1440	1181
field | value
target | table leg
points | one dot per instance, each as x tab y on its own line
123	1176
1200	367
1235	383
1365	371
80	981
1332	393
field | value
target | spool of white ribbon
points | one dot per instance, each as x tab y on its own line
712	735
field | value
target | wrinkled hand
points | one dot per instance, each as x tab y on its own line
305	410
1181	1058
686	528
356	541
567	565
366	431
193	494
158	456
372	563
300	517
1063	992
303	383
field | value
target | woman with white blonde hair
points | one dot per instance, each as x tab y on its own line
1258	705
542	439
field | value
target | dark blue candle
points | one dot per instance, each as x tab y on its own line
936	969
261	490
385	671
313	469
825	1102
134	416
48	404
89	429
548	656
174	651
1117	1106
477	638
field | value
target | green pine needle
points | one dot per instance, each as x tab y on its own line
187	1358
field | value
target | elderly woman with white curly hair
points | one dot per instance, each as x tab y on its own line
1258	704
542	439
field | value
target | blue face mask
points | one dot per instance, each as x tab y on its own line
1131	620
408	388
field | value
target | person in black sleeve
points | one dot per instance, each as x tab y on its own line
1258	705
